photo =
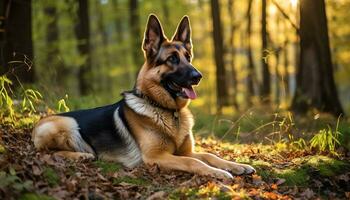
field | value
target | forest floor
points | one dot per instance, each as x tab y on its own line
282	173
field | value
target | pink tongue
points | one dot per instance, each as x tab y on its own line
190	93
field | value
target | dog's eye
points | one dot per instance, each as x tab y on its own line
174	59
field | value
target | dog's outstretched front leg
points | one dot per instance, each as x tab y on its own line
74	155
235	168
188	164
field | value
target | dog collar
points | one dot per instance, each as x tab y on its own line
139	94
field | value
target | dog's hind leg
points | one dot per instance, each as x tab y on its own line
61	133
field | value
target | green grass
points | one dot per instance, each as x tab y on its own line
131	180
263	168
344	138
107	167
297	176
328	166
200	193
51	176
2	149
33	196
293	176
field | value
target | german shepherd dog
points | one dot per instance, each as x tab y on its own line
151	124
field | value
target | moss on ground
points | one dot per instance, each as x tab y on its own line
33	196
51	176
327	166
107	167
297	176
131	180
2	149
208	192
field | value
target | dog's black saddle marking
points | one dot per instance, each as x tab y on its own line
97	127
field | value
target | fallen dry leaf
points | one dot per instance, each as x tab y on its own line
84	180
308	193
157	196
280	181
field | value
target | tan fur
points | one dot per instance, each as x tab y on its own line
74	155
172	148
57	132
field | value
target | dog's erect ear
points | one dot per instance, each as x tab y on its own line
183	33
154	36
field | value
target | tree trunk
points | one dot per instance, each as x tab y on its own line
277	77
82	31
265	87
230	8
104	84
221	85
251	65
315	82
52	41
122	50
277	48
118	22
17	47
135	32
102	30
3	13
286	72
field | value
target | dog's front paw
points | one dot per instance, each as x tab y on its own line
248	169
221	174
240	169
236	169
87	156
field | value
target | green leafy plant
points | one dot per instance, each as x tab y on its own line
13	182
300	144
62	105
30	96
51	176
13	110
6	102
326	140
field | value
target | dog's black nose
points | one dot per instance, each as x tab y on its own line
196	76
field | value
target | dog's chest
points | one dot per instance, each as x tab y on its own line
159	127
175	126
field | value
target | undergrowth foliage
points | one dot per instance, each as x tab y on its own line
326	140
6	102
283	130
30	96
12	107
62	105
22	109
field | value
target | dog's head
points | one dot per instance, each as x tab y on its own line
168	75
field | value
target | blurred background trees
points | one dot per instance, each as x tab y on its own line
315	83
16	40
281	54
